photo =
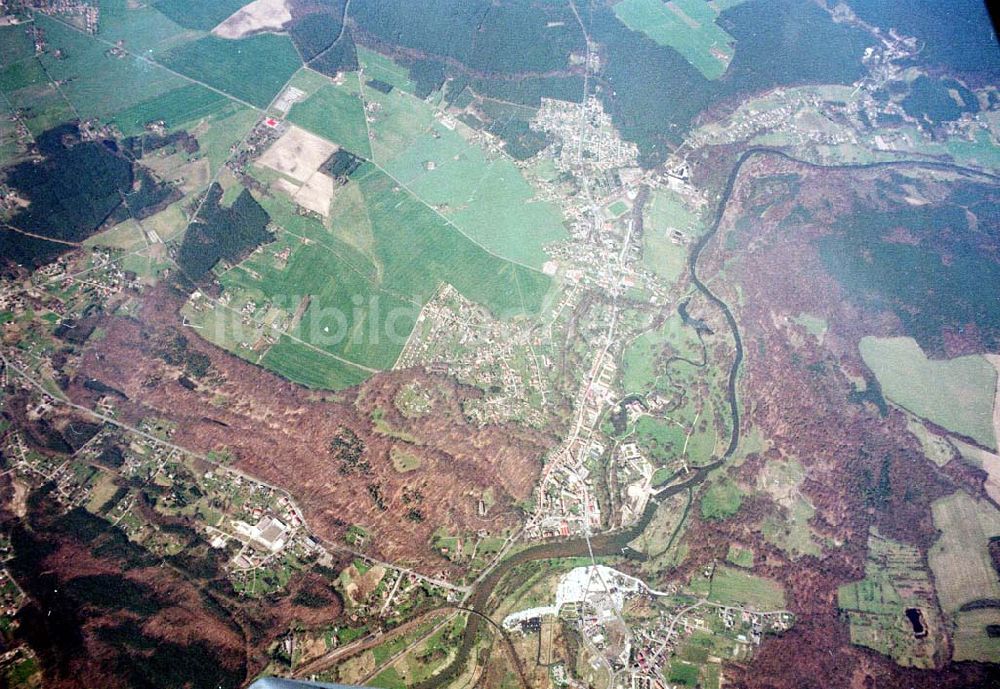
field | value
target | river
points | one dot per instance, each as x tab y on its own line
612	543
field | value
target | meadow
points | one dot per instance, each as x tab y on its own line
733	587
963	570
378	66
143	29
489	200
335	113
95	82
666	211
695	35
199	15
252	69
741	557
176	107
791	532
957	394
643	359
895	579
721	499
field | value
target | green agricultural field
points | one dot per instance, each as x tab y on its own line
358	291
957	394
42	107
11	145
15	45
380	67
141	28
969	637
643	369
95	82
400	119
487	199
199	15
22	74
721	499
177	107
895	579
782	479
734	587
741	557
252	69
687	26
335	113
313	369
963	570
417	250
664	212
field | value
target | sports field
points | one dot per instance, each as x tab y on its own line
957	394
687	26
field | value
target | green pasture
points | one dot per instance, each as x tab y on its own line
488	199
96	82
687	26
957	394
734	587
199	15
378	66
252	69
176	107
335	113
142	29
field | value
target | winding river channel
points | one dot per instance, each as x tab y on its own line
612	543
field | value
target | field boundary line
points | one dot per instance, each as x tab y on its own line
157	63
